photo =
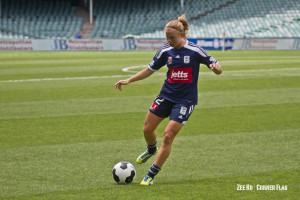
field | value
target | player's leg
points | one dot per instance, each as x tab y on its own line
151	123
170	133
178	117
159	110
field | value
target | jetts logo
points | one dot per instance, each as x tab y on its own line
180	75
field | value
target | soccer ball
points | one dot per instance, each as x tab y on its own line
123	172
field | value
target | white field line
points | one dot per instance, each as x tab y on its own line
60	79
129	69
132	70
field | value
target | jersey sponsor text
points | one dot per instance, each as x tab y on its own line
180	75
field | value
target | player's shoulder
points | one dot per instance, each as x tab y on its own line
164	48
166	45
196	48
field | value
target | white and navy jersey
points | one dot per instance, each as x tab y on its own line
182	77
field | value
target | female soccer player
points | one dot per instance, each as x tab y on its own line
179	94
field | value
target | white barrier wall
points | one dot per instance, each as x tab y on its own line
267	44
80	45
136	44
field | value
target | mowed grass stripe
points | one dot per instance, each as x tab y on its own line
63	77
88	61
71	54
56	57
210	188
10	68
65	64
282	61
110	105
95	88
63	61
109	69
49	169
108	127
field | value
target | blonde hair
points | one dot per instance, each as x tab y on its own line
181	25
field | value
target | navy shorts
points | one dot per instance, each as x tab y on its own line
177	112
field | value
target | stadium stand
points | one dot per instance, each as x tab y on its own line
41	19
21	19
244	18
255	18
148	16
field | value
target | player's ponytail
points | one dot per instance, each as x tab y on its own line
181	25
185	24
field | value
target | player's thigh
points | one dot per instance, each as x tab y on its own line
151	122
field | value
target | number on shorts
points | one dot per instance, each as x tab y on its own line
158	101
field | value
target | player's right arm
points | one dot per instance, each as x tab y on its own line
139	76
158	61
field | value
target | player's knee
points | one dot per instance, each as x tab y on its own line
168	138
147	129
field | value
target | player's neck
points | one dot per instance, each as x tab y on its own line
181	44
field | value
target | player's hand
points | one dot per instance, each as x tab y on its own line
216	68
120	83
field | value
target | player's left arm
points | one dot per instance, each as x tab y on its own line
210	62
216	68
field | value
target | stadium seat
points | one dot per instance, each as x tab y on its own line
147	18
38	19
245	19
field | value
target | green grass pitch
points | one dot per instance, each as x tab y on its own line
63	127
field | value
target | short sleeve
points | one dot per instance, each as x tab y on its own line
208	60
159	60
205	58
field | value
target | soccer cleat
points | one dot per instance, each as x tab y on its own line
145	156
147	181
